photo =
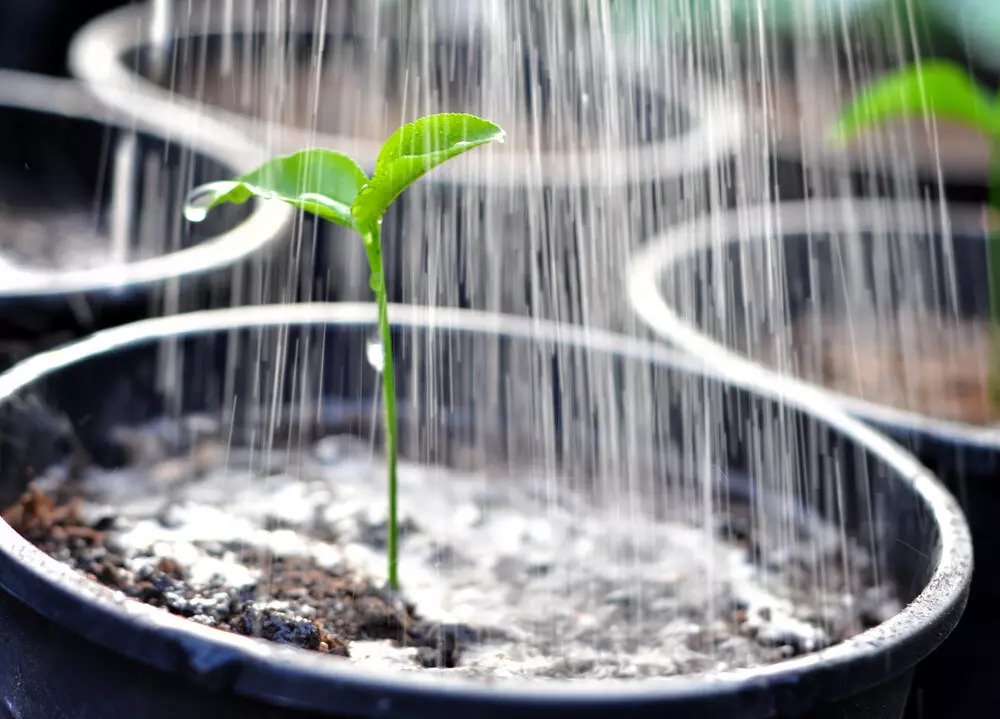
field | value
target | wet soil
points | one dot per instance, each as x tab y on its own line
300	603
60	241
500	583
925	364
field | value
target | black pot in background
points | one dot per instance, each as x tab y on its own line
125	660
34	35
521	210
693	286
796	78
76	183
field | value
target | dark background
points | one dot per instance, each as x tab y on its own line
34	34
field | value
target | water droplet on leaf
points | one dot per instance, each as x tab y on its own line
193	213
200	200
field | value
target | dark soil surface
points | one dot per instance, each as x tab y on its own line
501	582
300	604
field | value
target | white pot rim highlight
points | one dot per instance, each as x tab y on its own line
267	222
97	57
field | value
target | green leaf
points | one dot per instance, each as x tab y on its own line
322	182
940	88
413	151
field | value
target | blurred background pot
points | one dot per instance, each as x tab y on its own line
884	305
591	139
92	231
796	64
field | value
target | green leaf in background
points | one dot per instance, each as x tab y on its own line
943	89
414	150
635	17
322	182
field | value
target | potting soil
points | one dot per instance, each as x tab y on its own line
504	578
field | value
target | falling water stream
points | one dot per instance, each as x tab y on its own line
593	94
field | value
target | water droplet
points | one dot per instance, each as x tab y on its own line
193	213
375	353
199	201
501	137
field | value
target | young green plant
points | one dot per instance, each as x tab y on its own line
334	187
946	91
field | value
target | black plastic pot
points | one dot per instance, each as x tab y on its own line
521	209
694	287
68	166
73	648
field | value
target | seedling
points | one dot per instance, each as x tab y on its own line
945	90
334	187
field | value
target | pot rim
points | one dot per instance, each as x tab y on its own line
707	233
96	57
69	99
254	663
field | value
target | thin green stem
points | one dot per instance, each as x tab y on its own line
373	246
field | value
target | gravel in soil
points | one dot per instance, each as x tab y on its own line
306	605
501	580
